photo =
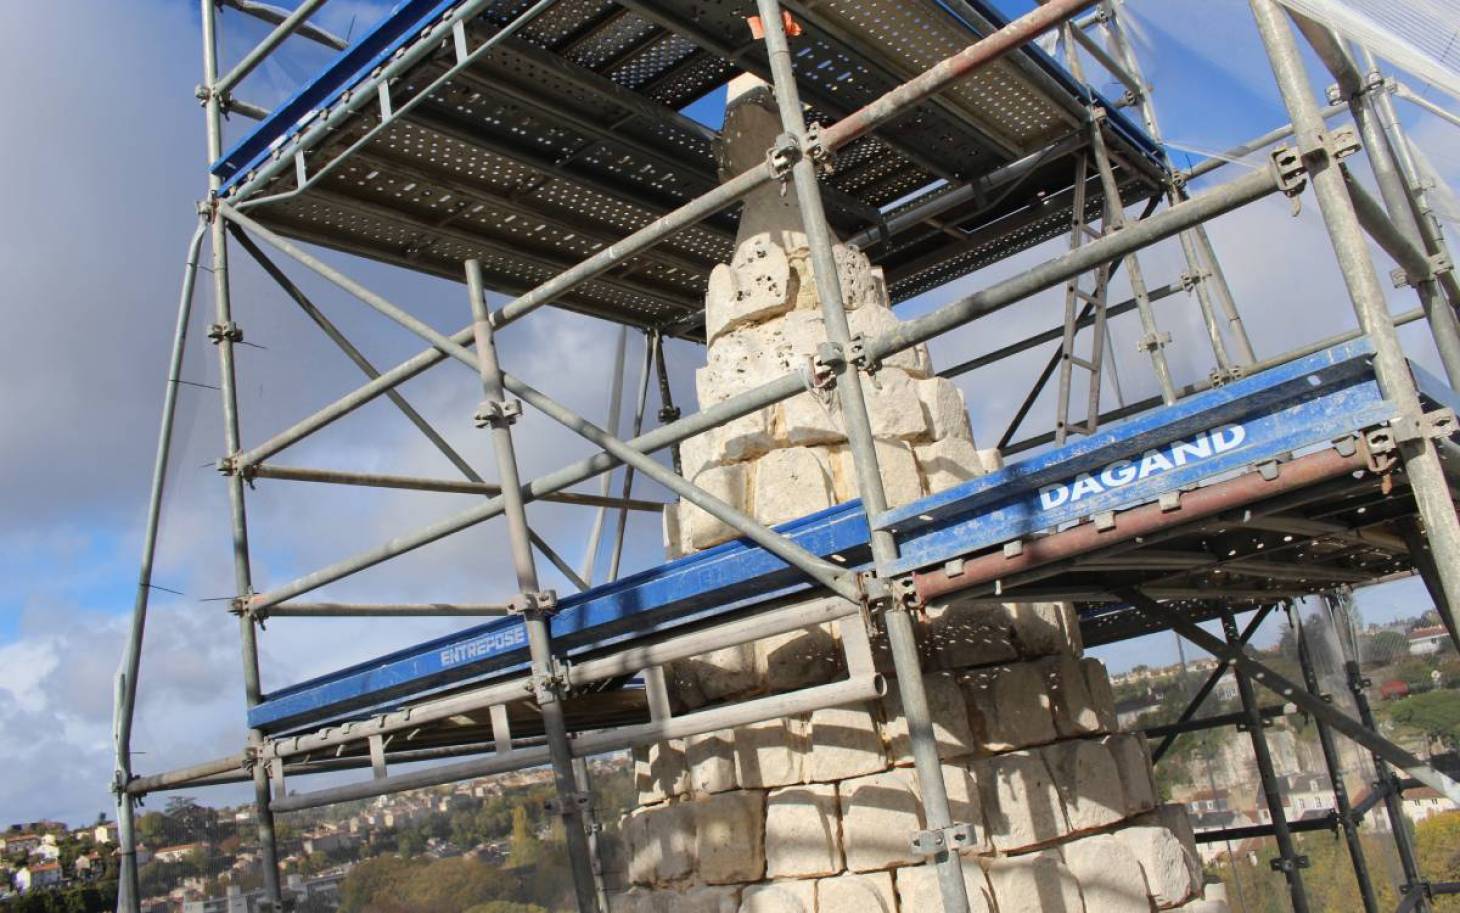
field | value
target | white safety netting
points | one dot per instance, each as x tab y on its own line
1419	36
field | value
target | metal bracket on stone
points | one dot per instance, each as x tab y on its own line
497	412
544	602
952	838
221	331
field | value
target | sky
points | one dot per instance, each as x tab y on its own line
105	158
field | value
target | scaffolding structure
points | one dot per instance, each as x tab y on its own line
537	150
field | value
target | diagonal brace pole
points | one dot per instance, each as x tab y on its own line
369	370
1210	684
1290	691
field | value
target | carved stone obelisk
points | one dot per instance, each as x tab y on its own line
815	813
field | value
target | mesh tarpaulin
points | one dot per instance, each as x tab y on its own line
1420	36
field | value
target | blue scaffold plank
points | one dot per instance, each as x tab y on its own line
1309	401
1253	420
372	49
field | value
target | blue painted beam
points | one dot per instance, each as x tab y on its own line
1259	418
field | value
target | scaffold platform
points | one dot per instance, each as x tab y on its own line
1276	485
569	133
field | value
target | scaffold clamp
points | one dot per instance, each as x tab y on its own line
497	413
544	602
952	838
221	331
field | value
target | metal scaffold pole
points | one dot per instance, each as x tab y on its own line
126	697
1412	432
1387	780
1347	822
532	603
225	335
1289	862
1360	94
1204	270
941	839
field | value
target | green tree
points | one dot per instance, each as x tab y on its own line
1437	850
524	846
1436	714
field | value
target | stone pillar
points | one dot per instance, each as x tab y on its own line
814	814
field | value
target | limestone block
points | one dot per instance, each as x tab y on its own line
1009	707
780	897
708	899
809	418
1109	875
860	288
1170	864
947	415
727	483
729	836
674	544
711	758
893	406
898	466
1040	629
880	814
1206	906
1075	709
802	832
756	286
1020	801
874	321
960	634
992	459
726	672
719	381
698	454
949	714
747	437
1102	696
660	843
668	776
682	679
1088	781
1038	881
964	805
789	483
769	753
670	827
810	656
917	888
947	463
845	743
858	893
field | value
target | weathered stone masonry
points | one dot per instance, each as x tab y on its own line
813	814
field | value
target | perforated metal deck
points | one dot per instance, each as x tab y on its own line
568	135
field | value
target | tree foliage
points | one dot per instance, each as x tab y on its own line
1436	714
